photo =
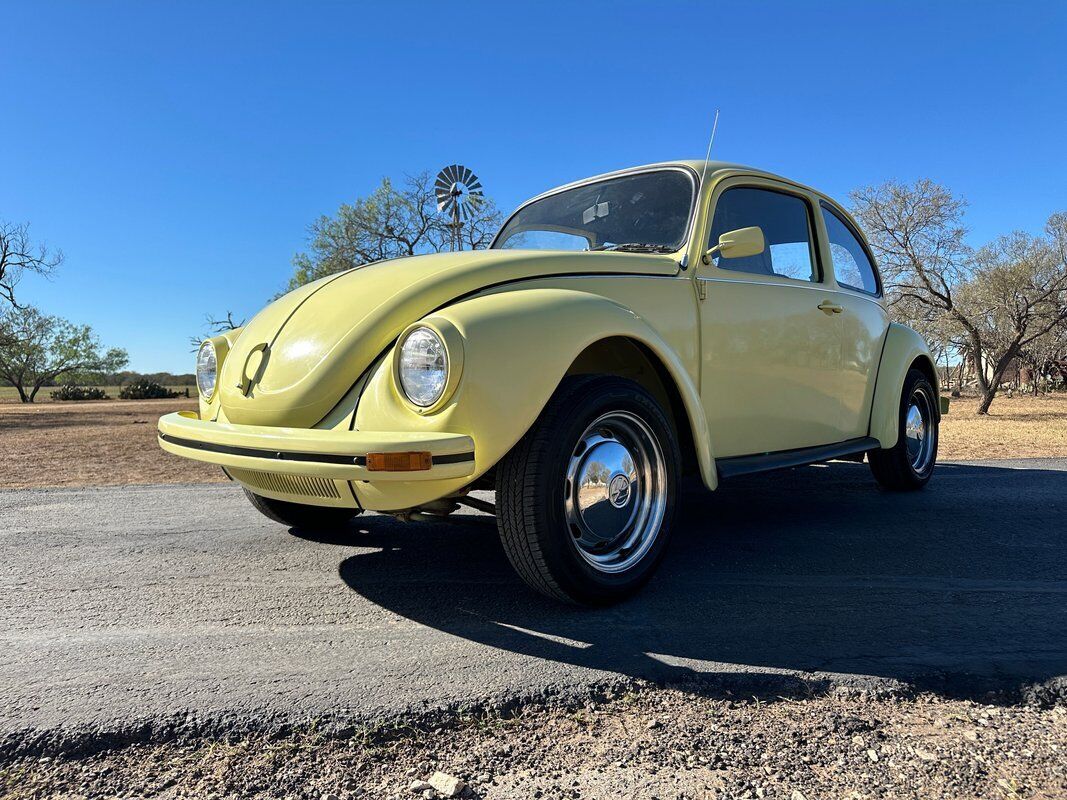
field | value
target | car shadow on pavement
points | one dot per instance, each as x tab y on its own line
959	589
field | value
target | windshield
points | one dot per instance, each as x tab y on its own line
646	212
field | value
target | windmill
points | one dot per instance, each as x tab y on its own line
459	194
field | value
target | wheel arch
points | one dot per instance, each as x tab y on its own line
518	345
903	350
631	358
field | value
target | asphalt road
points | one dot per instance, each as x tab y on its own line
128	613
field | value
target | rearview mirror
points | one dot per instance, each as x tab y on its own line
738	244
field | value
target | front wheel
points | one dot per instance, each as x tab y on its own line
298	515
909	463
586	499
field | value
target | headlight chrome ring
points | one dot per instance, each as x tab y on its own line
427	363
209	360
207	369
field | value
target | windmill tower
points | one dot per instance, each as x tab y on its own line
459	194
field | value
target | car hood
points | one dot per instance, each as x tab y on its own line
295	360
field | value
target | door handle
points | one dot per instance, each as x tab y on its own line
829	308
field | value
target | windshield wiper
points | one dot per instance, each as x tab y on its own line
634	247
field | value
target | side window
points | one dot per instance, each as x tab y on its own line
852	265
786	226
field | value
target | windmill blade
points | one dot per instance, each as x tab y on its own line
459	194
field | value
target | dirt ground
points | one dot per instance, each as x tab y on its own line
1015	427
105	443
654	743
114	442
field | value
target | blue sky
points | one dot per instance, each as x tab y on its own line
177	151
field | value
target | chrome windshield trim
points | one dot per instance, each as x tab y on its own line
609	176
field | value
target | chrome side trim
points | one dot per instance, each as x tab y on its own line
795	284
822	287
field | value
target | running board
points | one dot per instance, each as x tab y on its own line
765	462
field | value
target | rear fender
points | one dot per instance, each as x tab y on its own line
903	347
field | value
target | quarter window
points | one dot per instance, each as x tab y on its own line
852	265
786	225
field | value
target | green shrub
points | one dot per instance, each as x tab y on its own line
73	392
145	390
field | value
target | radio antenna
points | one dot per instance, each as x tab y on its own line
703	173
711	141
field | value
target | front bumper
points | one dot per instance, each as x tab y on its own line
329	454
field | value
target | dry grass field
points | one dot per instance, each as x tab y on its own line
114	442
1016	427
104	443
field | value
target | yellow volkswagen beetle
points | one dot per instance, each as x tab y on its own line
619	332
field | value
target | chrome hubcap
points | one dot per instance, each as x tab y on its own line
920	433
616	492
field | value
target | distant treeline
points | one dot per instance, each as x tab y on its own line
122	378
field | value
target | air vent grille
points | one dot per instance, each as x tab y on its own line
280	483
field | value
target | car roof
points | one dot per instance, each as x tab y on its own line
696	165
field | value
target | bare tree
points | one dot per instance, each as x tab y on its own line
38	349
1044	356
1017	297
989	304
18	255
215	326
390	222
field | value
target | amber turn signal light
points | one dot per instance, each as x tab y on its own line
398	462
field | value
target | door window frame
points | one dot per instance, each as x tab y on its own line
829	209
766	185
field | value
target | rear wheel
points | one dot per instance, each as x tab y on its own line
909	463
586	499
298	515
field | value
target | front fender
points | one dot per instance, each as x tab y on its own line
902	347
517	346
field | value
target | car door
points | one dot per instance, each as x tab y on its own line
770	332
863	318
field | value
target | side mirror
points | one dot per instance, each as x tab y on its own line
738	244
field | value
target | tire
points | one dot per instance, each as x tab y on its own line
298	515
579	522
909	463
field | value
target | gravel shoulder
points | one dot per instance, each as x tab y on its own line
647	743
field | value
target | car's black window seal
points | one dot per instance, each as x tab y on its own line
863	246
813	248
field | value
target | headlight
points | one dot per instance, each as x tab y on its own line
423	367
206	369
